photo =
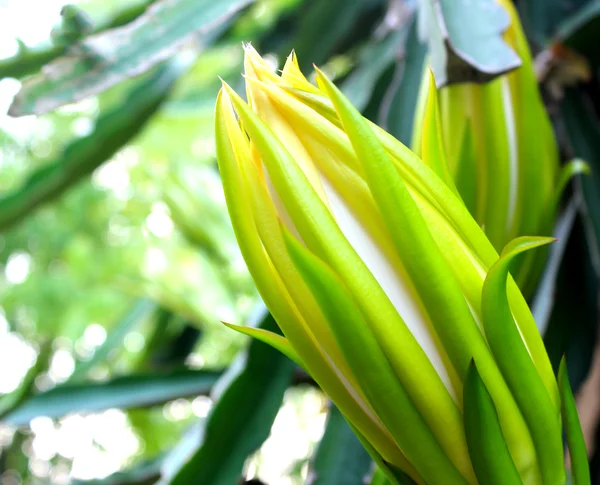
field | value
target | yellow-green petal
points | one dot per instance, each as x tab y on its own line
373	370
270	338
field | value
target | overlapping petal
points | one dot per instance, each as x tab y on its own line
384	285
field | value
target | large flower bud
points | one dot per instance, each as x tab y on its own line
387	290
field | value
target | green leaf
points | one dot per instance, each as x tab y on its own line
273	339
340	459
373	60
395	477
466	51
583	129
324	26
541	18
384	473
399	106
572	313
580	468
107	58
114	129
573	322
125	392
30	59
114	340
242	418
488	450
379	478
580	31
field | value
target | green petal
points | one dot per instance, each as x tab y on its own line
516	364
267	225
580	468
499	162
270	338
465	175
373	371
488	450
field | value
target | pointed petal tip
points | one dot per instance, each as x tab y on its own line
227	89
249	48
223	88
524	243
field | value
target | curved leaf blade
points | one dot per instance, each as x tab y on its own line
126	392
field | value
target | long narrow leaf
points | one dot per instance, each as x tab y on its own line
243	416
340	459
127	392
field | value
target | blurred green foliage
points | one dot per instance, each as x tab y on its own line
118	260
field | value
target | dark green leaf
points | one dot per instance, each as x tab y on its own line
340	459
583	130
324	26
126	392
580	468
464	50
573	317
373	60
581	32
572	327
242	418
542	19
107	58
114	129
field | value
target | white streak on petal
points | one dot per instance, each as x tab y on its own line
395	288
509	118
